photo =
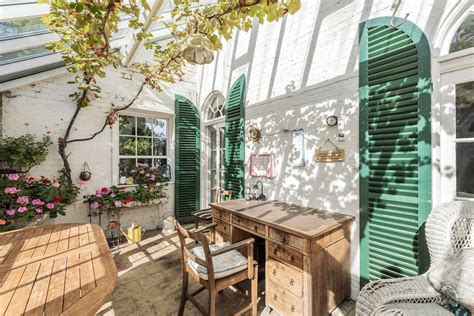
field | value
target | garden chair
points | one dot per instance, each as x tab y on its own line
205	215
216	267
449	233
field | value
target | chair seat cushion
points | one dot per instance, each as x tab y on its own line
205	215
225	264
454	277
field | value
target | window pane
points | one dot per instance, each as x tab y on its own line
160	162
465	110
213	159
24	54
213	195
143	146
127	146
464	36
159	142
213	139
465	169
213	179
127	125
18	27
144	126
149	161
125	165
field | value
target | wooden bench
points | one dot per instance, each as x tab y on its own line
57	269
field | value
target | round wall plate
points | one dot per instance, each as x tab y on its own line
331	120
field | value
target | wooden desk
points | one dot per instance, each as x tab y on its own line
307	268
56	269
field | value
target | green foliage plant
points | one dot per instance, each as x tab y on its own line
24	152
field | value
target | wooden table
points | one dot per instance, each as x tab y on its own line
57	269
307	252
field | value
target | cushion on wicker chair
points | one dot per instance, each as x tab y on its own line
411	309
225	264
454	277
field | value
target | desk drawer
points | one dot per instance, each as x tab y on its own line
222	215
283	301
286	276
287	239
249	225
287	255
223	227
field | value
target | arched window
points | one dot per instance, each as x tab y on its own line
215	108
464	36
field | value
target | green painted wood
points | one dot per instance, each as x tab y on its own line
187	159
235	138
395	149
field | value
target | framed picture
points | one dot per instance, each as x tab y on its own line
261	165
297	148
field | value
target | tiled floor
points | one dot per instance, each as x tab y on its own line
150	282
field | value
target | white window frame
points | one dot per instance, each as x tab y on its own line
116	141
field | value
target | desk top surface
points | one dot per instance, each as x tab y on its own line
57	269
304	221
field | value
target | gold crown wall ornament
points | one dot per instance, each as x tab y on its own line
254	134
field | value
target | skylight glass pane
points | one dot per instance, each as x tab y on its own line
21	27
23	54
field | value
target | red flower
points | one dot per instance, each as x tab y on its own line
105	190
2	221
57	200
46	181
128	200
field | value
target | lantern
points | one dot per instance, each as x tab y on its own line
198	50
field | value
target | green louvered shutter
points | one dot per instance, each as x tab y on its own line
395	149
187	172
234	138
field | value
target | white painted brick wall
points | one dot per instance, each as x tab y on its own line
46	107
300	71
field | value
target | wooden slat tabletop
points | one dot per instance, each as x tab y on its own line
57	269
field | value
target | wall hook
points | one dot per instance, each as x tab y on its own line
395	7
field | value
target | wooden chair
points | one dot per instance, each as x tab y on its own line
205	215
216	267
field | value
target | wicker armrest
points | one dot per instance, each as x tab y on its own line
238	245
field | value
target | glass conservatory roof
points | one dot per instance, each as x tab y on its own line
23	36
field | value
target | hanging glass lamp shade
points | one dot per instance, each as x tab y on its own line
198	50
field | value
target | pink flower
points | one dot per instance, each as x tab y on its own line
10	212
2	221
99	195
152	177
11	190
13	176
141	172
50	206
118	204
37	202
94	205
22	209
22	200
39	210
37	178
113	195
55	185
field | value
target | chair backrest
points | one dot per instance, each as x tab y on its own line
223	195
449	228
201	238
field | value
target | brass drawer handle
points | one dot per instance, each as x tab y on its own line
292	308
274	272
284	240
292	258
275	297
255	227
275	250
292	282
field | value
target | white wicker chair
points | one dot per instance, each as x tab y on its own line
449	228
